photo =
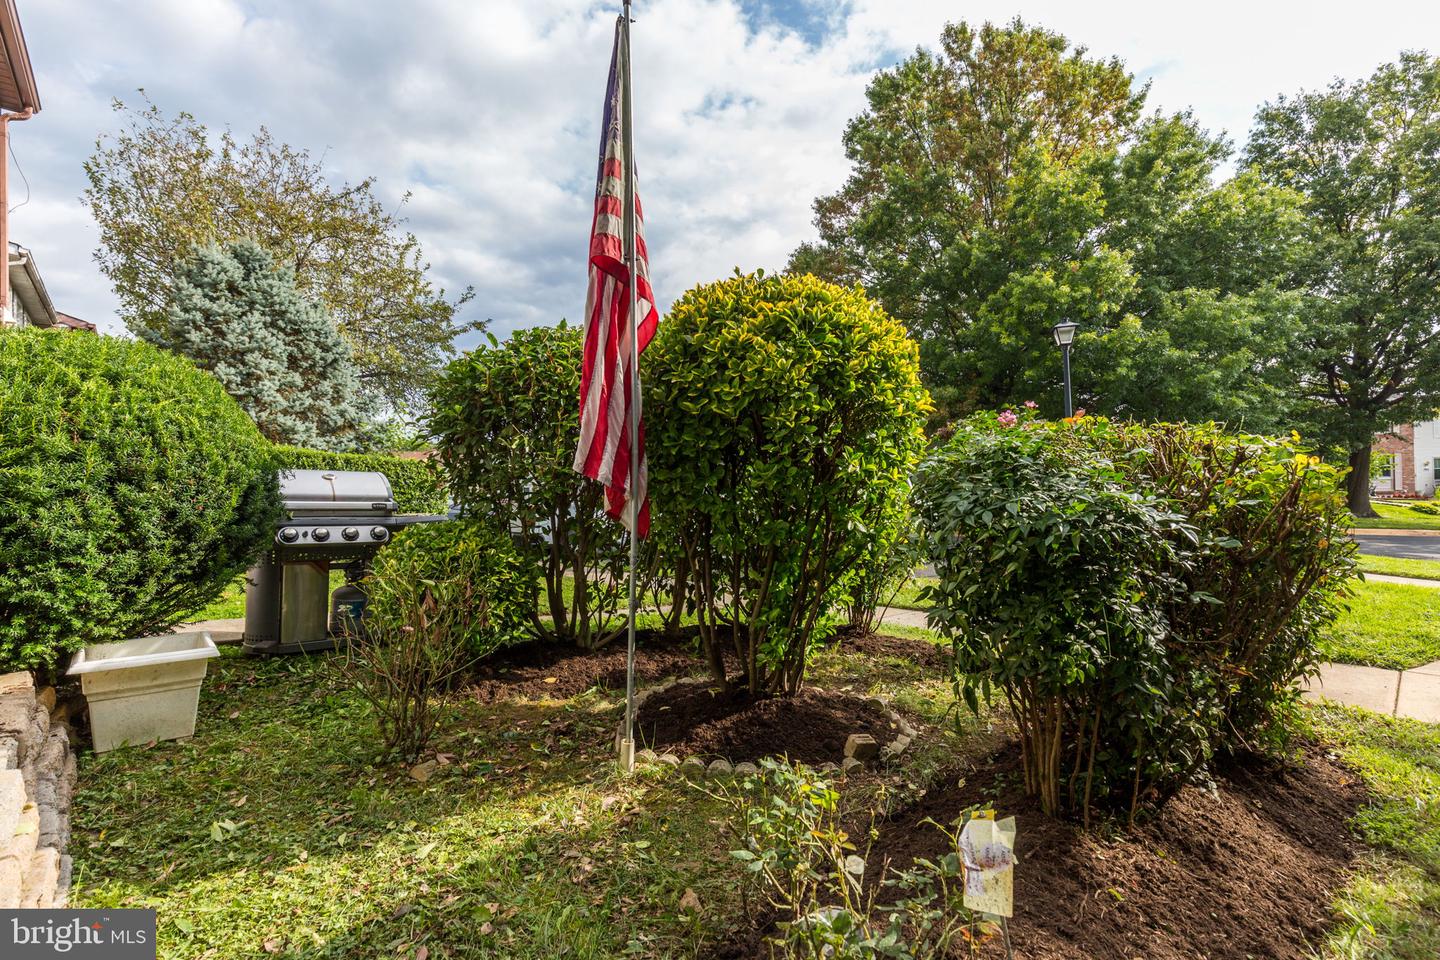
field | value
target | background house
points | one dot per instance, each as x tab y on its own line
30	304
1411	464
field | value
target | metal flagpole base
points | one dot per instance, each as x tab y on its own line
627	755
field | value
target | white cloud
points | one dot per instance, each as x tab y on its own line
488	113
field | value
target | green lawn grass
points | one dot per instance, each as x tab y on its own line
1391	908
908	596
1391	625
1400	566
276	832
1396	515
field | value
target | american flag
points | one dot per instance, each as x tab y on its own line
605	382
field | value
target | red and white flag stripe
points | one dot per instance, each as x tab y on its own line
603	453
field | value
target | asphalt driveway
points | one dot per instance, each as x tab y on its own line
1383	544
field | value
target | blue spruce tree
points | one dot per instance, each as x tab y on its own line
277	353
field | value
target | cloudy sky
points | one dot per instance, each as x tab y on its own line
487	111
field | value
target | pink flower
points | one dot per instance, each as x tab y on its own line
1008	419
1031	404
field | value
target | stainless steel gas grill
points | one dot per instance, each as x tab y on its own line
333	518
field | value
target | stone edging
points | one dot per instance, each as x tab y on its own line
37	778
860	749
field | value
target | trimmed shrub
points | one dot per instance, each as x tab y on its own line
506	426
441	595
1146	596
784	415
1268	567
473	571
1046	592
417	484
132	490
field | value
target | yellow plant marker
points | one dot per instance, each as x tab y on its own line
988	850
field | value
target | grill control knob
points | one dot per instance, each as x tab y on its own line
379	533
320	534
289	535
350	533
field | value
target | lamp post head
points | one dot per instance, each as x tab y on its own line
1064	333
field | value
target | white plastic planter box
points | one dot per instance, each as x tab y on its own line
143	689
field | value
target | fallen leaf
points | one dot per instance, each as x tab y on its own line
689	901
423	953
552	679
272	946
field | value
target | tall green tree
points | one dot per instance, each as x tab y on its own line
1365	157
272	349
1010	181
162	186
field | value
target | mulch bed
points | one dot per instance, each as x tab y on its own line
694	719
538	670
920	652
1248	874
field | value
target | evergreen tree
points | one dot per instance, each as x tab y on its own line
277	353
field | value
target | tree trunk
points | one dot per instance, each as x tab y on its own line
1357	484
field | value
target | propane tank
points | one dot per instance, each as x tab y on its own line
347	610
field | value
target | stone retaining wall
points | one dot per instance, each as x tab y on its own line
37	777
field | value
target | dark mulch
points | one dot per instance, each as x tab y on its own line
1248	874
920	652
541	669
697	720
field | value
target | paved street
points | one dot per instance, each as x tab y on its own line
1386	544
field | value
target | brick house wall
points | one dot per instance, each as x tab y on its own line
1399	444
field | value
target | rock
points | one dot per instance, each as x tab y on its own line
888	753
877	704
901	742
746	769
12	876
646	756
852	765
22	844
12	802
862	747
669	759
693	765
421	771
828	767
17	682
40	879
720	768
46	698
15	714
907	729
62	882
9	753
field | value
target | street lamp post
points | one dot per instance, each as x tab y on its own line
1064	334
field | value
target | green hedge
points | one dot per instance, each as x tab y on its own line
417	485
132	490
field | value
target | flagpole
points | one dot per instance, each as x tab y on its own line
627	745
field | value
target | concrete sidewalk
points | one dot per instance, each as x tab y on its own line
1395	693
1411	581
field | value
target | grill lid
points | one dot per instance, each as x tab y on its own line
325	492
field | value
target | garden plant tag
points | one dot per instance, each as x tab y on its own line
988	849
